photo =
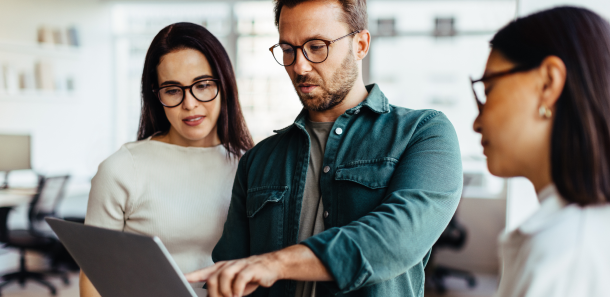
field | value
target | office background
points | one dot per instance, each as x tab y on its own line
70	79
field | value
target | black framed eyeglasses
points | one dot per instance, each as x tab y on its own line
314	50
478	86
204	90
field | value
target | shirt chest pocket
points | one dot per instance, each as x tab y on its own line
373	174
361	187
265	211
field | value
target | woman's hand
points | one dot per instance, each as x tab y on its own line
86	287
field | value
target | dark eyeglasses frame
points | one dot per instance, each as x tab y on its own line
294	47
492	76
190	88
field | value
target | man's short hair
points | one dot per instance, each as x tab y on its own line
354	12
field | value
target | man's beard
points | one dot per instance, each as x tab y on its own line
333	91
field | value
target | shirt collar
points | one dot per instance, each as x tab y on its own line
376	101
551	203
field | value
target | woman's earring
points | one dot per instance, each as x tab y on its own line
545	112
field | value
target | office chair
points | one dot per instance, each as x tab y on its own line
36	237
51	191
454	237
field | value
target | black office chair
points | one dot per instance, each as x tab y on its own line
51	191
454	237
38	237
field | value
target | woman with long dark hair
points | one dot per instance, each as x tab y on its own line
175	181
544	113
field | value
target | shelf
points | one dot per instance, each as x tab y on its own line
38	49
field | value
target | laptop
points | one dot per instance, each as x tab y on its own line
121	264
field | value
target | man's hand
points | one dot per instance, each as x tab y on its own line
241	277
238	277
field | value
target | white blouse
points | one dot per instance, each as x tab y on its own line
560	251
180	194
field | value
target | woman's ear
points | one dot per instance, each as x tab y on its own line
553	72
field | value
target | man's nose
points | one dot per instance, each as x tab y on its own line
301	65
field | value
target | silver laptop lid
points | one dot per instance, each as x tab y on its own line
122	264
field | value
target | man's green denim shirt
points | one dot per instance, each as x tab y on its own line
392	180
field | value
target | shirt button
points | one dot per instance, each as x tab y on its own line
326	214
326	169
339	131
357	111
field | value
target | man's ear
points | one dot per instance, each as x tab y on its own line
553	72
362	43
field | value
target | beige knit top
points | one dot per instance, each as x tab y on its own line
180	194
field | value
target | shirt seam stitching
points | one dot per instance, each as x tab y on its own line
427	118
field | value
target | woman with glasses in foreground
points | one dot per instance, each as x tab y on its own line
544	105
175	181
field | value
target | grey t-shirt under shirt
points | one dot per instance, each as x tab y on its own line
311	221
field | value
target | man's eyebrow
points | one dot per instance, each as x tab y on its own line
171	82
317	36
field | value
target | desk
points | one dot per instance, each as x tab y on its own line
15	197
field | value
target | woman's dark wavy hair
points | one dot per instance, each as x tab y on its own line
231	126
580	140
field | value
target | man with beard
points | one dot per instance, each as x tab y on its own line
349	199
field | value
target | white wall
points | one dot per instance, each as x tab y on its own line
71	132
529	6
